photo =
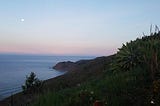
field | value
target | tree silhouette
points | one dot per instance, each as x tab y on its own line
32	84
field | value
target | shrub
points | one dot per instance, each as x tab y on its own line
32	84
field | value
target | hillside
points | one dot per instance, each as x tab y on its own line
77	73
130	77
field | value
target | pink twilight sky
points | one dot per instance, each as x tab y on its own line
73	27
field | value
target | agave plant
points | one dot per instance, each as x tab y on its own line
145	50
128	56
145	53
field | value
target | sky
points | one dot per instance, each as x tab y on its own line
73	27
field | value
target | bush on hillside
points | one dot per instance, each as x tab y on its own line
145	53
32	84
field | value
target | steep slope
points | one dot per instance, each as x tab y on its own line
132	78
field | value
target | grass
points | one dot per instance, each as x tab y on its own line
113	89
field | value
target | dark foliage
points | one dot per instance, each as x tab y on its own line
32	84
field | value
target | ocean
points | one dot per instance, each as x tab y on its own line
14	68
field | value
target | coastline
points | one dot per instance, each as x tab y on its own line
20	96
76	73
18	66
12	90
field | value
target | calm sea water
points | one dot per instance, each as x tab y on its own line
14	68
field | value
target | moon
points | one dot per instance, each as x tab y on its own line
22	19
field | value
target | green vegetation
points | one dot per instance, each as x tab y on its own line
131	78
32	84
112	89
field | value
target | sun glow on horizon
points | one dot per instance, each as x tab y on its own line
58	51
